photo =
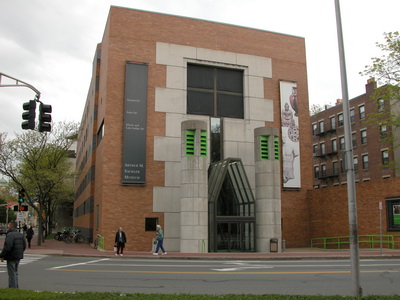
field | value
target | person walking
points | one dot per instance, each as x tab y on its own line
29	235
13	252
160	240
120	240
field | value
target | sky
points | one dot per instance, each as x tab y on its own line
50	44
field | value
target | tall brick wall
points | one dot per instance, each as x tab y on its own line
329	208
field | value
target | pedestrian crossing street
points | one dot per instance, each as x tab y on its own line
28	258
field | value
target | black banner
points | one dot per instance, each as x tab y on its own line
134	144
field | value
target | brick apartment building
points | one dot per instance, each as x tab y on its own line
199	126
374	157
372	152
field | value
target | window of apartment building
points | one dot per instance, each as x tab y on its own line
316	171
383	131
363	136
341	143
354	139
335	168
342	166
314	128
150	224
332	121
321	126
322	148
355	162
323	170
361	111
393	214
352	119
385	157
100	133
213	91
381	105
340	120
365	161
334	146
315	149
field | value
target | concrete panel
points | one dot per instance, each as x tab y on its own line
261	109
170	100
171	226
167	149
166	199
172	174
246	153
176	78
258	66
255	87
216	56
172	55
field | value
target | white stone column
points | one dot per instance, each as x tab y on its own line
194	191
268	191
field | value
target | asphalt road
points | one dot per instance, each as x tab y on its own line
127	275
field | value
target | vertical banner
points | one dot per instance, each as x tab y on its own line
290	135
135	114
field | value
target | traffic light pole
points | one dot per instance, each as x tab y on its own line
19	83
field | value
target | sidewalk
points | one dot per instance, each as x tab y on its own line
53	247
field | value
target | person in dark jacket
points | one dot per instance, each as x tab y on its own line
13	252
120	240
29	235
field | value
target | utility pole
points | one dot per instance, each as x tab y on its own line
349	163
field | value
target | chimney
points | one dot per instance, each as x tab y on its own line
370	86
339	101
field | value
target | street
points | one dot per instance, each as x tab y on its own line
169	276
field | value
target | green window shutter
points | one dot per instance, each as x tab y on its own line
276	148
203	143
264	147
190	142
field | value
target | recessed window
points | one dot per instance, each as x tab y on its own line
216	92
340	119
352	115
314	129
361	111
363	136
355	162
333	122
385	157
365	161
150	224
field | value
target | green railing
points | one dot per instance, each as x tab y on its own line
367	241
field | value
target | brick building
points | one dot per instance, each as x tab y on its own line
372	152
374	156
195	125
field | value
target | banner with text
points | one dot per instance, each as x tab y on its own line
135	115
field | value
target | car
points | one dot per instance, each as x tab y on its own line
3	229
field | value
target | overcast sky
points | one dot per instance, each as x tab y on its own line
50	44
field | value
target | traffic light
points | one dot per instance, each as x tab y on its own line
29	115
23	208
44	117
21	196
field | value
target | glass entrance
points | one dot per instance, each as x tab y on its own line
231	208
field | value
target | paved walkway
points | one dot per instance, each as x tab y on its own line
53	247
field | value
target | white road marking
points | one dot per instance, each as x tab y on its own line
80	264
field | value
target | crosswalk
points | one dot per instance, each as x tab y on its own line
28	258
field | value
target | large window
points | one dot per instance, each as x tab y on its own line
216	92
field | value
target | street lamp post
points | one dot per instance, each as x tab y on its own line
351	190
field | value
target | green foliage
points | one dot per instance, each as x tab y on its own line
39	164
14	294
315	109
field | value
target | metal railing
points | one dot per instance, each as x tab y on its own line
371	241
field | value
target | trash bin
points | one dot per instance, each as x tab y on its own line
273	245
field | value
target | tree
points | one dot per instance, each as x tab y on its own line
38	163
6	196
315	109
386	71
